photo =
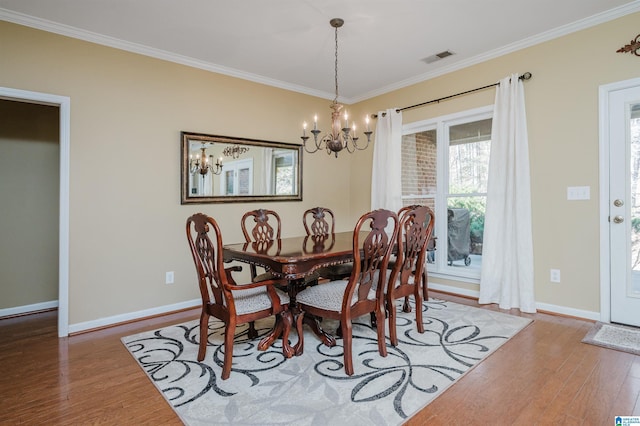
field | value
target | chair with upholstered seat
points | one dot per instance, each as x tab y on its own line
345	300
265	231
406	277
320	222
430	246
266	228
222	297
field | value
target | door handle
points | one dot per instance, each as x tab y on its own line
618	219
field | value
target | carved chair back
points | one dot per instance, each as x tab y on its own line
416	227
319	221
266	228
370	255
207	257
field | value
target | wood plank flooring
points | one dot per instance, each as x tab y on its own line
542	376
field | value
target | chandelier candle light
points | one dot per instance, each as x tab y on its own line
201	164
341	135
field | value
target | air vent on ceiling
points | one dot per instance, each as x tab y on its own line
433	58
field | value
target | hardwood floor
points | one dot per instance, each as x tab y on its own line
544	375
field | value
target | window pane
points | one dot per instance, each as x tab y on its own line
284	174
244	176
418	166
419	174
469	146
634	154
465	230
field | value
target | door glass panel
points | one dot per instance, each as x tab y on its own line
634	156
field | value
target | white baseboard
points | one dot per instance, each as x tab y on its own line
562	310
454	290
19	310
572	312
131	316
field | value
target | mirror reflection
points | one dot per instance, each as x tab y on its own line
224	169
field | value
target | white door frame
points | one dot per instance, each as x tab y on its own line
64	103
605	253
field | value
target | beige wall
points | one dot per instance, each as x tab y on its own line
127	112
562	117
29	174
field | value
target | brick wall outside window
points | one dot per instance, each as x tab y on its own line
419	167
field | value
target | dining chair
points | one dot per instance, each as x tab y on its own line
266	228
320	222
408	276
345	300
431	246
222	297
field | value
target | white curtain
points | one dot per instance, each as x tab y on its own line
386	177
507	254
268	172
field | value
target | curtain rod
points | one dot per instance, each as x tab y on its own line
526	76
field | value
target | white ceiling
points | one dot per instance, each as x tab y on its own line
290	44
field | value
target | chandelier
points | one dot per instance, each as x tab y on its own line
203	164
341	135
234	151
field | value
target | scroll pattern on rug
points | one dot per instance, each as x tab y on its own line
266	388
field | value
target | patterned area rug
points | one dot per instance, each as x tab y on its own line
614	336
312	389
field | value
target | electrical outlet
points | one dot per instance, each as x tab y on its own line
555	275
168	277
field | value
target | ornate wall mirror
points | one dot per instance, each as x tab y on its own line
223	169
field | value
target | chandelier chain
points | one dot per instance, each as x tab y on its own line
335	100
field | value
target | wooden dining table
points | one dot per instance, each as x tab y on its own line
293	259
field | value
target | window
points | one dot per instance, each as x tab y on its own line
284	164
445	164
237	177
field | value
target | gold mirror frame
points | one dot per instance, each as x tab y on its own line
258	154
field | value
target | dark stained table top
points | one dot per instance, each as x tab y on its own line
295	257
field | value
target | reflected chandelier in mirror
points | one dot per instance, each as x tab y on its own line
222	169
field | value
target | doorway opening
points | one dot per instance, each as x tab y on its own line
63	105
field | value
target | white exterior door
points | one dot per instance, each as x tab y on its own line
623	134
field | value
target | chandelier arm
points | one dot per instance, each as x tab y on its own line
355	142
304	145
349	149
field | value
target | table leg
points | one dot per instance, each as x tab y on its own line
303	318
299	315
282	328
287	320
314	322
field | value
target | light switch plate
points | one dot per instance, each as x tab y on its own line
578	192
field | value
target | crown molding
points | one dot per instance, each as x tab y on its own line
66	30
92	37
579	25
